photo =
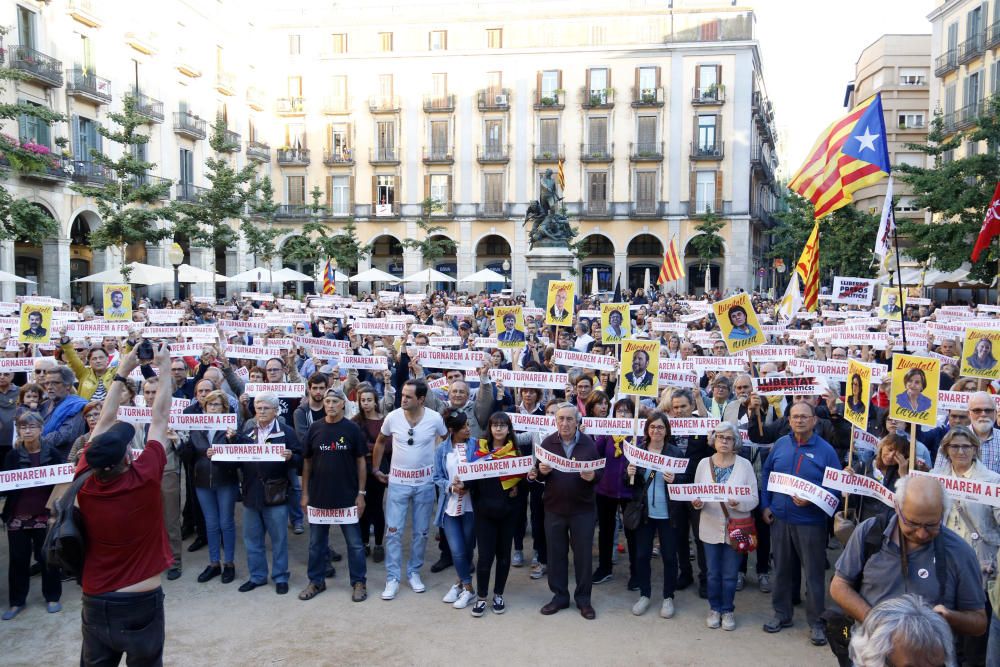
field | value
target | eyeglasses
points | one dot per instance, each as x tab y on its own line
961	448
929	527
726	438
657	427
410	433
29	427
982	411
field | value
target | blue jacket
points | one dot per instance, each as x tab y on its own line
441	479
807	461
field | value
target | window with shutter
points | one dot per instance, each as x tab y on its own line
385	41
704	191
493	193
386	139
439	139
296	190
707	133
597	188
494	134
645	192
548	134
339	197
597	131
646	135
439	191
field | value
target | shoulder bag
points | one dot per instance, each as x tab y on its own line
65	542
741	534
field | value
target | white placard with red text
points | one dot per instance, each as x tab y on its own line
563	464
24	478
340	515
791	485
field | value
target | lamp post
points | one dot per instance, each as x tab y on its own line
507	276
176	257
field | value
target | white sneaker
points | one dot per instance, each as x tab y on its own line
452	594
465	598
391	588
713	621
640	606
728	621
416	583
667	608
518	559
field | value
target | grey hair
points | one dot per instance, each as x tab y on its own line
66	374
270	398
723	427
570	406
903	486
902	621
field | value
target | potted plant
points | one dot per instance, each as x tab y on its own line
648	96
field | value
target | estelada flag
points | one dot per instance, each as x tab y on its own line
329	284
991	225
672	268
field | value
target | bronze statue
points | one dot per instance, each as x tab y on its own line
549	226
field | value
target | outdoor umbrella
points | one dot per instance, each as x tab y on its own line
11	278
142	274
260	274
192	274
484	276
428	276
374	276
593	282
289	275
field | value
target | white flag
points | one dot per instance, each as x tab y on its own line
792	301
887	226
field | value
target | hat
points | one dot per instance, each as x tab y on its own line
464	325
107	449
336	393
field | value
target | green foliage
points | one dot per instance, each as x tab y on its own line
259	238
707	243
208	220
433	246
957	193
126	200
321	241
847	238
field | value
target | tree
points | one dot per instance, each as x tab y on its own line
259	238
847	238
433	246
207	221
125	200
708	244
319	242
957	192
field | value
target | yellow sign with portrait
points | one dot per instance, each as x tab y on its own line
616	323
890	307
859	384
978	358
36	321
639	370
118	303
510	326
559	304
740	327
914	393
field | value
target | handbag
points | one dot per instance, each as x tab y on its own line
636	508
986	553
844	524
741	534
275	491
65	541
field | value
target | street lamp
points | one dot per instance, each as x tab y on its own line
176	257
506	272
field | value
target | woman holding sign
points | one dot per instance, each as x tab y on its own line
454	513
651	486
723	467
977	523
26	518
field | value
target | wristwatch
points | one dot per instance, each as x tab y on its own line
362	493
119	378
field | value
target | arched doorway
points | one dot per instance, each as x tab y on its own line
645	254
599	254
695	268
292	252
29	263
446	264
387	255
491	252
81	261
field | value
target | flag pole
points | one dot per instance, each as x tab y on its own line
899	281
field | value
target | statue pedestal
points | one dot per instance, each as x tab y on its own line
545	264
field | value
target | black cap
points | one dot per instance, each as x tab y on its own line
107	449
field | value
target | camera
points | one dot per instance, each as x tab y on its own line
145	350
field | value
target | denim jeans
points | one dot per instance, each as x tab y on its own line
123	623
319	552
273	521
219	507
723	565
295	514
462	540
993	649
400	500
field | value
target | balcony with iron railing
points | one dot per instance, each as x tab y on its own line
336	105
384	155
708	95
290	106
186	124
293	157
946	62
596	208
148	107
550	100
37	66
597	152
493	209
549	152
390	210
647	209
92	173
970	48
969	114
716	206
439	103
225	82
232	140
493	153
256	98
144	180
646	151
761	162
598	98
383	104
435	154
993	35
298	211
258	151
442	209
949	122
701	150
188	192
647	97
494	99
88	86
343	157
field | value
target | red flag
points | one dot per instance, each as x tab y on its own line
991	225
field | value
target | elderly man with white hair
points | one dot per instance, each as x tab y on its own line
265	493
903	631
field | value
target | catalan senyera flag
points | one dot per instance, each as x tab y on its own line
807	269
672	268
329	283
561	176
849	155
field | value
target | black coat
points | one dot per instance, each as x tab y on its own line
18	459
208	475
253	475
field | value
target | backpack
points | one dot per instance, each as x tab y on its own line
65	543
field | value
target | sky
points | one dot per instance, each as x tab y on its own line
809	49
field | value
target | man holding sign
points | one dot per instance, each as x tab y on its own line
798	530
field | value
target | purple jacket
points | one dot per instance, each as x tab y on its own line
613	483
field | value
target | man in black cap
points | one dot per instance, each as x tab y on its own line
127	548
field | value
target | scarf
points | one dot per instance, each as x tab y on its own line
507	451
618	440
67	408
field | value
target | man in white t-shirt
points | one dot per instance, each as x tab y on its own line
415	433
